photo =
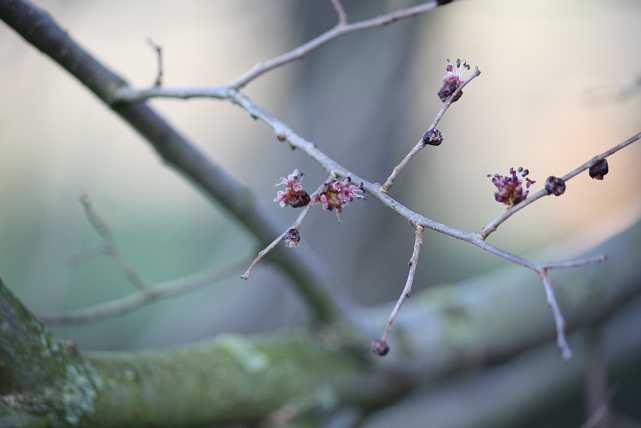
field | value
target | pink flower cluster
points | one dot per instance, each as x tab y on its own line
513	188
294	195
334	195
453	80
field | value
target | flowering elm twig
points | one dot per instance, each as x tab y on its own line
284	133
492	226
422	143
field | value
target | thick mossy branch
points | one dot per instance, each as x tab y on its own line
42	379
230	379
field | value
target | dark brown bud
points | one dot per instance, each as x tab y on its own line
433	137
380	347
300	200
599	169
555	186
292	238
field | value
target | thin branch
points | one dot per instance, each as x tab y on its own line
136	300
421	144
492	226
407	290
126	94
559	322
111	248
147	291
328	36
340	11
158	50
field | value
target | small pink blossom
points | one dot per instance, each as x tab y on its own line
294	194
334	194
453	80
513	188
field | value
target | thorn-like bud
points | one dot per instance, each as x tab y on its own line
380	347
599	169
292	238
433	137
555	185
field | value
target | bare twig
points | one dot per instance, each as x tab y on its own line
136	300
340	11
147	292
111	248
559	322
126	94
421	144
158	49
326	37
407	290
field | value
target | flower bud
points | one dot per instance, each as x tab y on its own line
380	347
599	169
292	238
433	137
555	186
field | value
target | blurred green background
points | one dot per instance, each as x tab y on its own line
559	84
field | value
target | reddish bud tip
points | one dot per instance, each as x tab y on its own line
380	347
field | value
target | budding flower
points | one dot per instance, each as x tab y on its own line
292	238
555	186
511	189
452	80
433	137
294	194
334	194
599	169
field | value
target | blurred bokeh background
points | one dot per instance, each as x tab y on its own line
559	84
